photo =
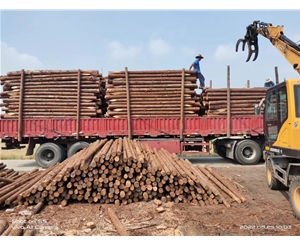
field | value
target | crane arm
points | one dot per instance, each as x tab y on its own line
289	49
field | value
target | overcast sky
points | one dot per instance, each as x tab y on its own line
110	40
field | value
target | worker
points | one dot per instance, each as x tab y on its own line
269	83
196	66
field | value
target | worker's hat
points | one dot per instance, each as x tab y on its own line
199	56
268	79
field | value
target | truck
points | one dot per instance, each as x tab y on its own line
237	137
281	114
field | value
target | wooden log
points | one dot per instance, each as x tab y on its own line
257	89
153	84
157	102
152	72
17	231
38	207
158	115
153	110
148	89
234	97
116	222
7	231
198	170
50	86
220	185
29	232
6	180
3	226
225	182
50	72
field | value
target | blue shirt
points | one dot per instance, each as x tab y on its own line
269	84
197	65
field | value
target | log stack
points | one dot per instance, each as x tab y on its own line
52	94
121	171
242	100
153	93
7	175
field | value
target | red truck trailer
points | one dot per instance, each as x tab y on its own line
200	135
237	137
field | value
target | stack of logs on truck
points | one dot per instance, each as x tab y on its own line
64	111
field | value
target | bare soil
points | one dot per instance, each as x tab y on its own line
265	213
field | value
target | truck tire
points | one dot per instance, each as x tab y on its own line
49	154
295	196
247	152
64	152
76	147
273	183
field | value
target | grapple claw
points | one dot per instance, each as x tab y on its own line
251	40
238	43
252	48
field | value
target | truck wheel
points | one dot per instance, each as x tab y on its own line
247	152
273	183
76	147
64	152
49	154
295	196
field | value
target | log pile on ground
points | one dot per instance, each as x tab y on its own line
242	100
155	93
8	176
52	93
121	171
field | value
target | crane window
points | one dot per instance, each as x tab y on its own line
282	106
271	106
271	116
297	100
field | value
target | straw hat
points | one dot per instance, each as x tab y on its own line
268	79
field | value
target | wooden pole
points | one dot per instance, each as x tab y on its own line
128	103
228	101
20	119
210	84
276	75
182	106
116	222
248	83
78	104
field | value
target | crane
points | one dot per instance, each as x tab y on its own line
281	114
288	48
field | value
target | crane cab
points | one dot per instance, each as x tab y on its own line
282	118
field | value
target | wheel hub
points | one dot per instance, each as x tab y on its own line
48	155
248	152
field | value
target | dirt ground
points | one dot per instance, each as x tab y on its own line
265	213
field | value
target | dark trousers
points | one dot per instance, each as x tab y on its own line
201	79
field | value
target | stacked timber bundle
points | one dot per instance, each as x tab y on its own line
153	93
51	93
241	100
120	172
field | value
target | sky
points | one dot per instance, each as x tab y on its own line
147	39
